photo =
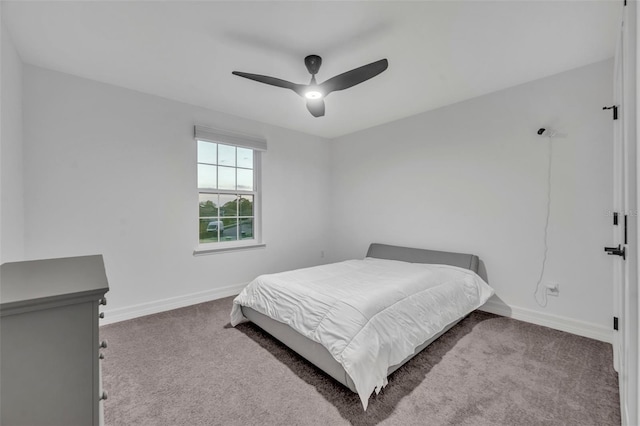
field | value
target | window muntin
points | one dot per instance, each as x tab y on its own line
227	193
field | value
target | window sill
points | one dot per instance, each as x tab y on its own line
206	250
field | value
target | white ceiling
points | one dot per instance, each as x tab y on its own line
439	52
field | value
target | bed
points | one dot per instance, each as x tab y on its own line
360	320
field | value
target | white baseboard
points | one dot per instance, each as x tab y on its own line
581	328
134	311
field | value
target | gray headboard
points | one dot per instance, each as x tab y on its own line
414	255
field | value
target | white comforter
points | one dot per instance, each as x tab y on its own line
370	314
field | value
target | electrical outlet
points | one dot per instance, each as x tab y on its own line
553	289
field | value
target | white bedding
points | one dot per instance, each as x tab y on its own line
370	314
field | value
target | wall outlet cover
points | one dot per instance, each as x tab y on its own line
553	288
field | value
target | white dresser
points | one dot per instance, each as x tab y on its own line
49	348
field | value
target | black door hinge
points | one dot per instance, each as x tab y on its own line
615	111
617	251
615	218
615	323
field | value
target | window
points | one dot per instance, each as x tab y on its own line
228	190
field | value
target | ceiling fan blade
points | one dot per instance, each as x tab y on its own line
353	77
316	107
298	88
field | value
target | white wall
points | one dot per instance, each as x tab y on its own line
471	178
11	190
112	171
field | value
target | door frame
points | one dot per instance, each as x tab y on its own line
626	186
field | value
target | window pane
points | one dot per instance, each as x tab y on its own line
227	178
227	155
209	230
246	205
207	152
230	232
245	158
208	205
223	172
245	179
228	205
246	228
207	176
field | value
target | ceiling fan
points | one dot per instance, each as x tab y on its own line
314	92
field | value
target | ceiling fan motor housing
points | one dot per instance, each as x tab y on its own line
313	63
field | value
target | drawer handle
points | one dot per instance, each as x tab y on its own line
102	301
101	315
104	396
103	344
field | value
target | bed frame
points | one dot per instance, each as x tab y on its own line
317	354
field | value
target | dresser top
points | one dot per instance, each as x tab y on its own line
38	282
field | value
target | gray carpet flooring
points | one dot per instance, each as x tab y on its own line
189	367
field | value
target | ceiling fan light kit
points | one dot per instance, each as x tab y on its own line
315	93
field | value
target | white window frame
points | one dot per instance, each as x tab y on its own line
258	145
